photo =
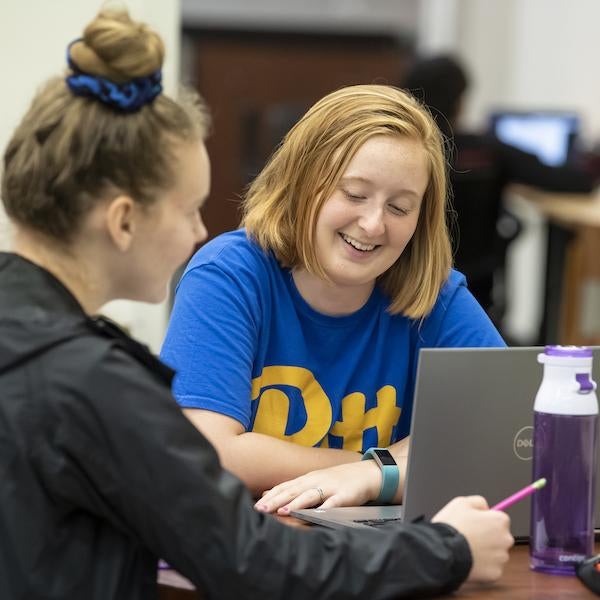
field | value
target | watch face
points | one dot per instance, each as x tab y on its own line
385	457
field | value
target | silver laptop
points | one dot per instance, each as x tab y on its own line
471	433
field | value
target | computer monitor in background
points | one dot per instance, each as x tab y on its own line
549	134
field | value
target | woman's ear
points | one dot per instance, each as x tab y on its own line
121	215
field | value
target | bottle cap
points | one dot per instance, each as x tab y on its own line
568	351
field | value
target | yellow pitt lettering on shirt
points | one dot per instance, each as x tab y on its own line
274	405
355	419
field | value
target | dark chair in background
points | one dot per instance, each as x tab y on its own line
481	232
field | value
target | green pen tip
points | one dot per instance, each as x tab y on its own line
540	483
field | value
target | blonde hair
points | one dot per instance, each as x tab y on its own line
69	151
281	206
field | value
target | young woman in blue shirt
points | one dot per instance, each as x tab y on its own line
296	338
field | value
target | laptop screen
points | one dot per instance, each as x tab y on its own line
547	134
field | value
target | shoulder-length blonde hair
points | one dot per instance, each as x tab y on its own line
281	207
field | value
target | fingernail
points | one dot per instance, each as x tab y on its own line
284	509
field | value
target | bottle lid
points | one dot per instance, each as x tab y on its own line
568	351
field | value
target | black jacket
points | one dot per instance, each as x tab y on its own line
100	474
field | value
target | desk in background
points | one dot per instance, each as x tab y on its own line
572	286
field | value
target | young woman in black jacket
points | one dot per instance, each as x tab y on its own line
101	473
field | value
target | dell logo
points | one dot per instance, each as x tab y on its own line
523	443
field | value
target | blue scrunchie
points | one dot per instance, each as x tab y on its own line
129	96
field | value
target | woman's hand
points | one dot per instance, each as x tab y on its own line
486	531
350	484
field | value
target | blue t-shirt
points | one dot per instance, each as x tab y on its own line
245	344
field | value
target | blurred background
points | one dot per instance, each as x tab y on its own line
261	63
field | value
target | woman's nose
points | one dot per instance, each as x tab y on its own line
372	223
201	231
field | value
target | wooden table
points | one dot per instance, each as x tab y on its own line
520	583
517	583
573	250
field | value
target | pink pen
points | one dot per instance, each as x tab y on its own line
526	491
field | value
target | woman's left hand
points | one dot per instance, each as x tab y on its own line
350	484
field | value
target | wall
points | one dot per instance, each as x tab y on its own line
556	52
314	16
33	38
521	53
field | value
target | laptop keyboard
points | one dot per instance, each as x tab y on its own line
378	522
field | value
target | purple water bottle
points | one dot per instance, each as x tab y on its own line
565	429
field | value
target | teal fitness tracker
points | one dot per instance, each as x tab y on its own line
390	474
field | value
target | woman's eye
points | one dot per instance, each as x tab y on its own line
398	210
352	196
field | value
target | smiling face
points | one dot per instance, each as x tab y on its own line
369	219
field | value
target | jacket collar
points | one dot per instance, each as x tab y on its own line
40	312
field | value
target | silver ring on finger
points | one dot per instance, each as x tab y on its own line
321	495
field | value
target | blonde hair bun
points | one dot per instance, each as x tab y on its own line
116	47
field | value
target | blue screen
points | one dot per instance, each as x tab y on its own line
548	135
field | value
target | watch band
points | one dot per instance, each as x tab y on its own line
390	474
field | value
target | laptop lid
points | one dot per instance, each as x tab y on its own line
472	428
549	134
471	433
